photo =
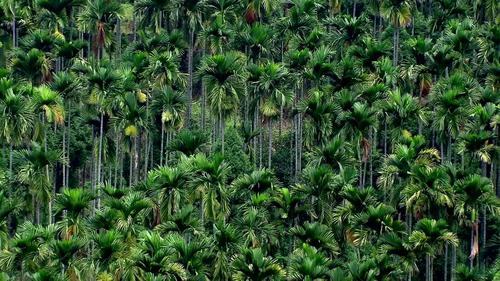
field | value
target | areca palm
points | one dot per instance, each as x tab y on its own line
33	66
17	120
310	264
168	183
252	264
209	179
59	11
429	186
318	109
129	211
103	83
192	9
170	104
398	12
474	194
98	17
194	255
223	75
164	67
25	249
152	12
73	202
35	164
188	142
431	235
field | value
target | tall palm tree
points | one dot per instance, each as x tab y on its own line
33	66
103	84
398	12
431	236
73	202
170	104
35	164
252	264
474	194
17	120
98	17
310	264
152	12
193	11
168	183
209	180
223	75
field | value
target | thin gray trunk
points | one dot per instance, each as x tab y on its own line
270	145
445	262
222	131
117	158
14	33
190	81
395	45
99	160
162	140
68	139
118	38
11	149
136	160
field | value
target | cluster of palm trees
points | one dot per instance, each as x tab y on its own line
249	140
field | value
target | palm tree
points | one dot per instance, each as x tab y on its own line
474	194
428	187
33	66
188	142
318	109
152	12
398	12
310	264
24	249
103	84
169	184
72	203
35	164
164	68
17	120
252	264
209	179
129	210
430	236
8	207
194	255
273	95
63	251
223	75
98	17
193	11
171	105
317	235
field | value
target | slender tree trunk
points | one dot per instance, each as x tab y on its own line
11	149
222	132
396	45
99	160
190	81
162	141
68	148
136	160
118	39
445	262
14	33
117	159
270	145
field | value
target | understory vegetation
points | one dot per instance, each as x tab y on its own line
258	140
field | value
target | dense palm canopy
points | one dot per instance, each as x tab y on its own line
249	140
